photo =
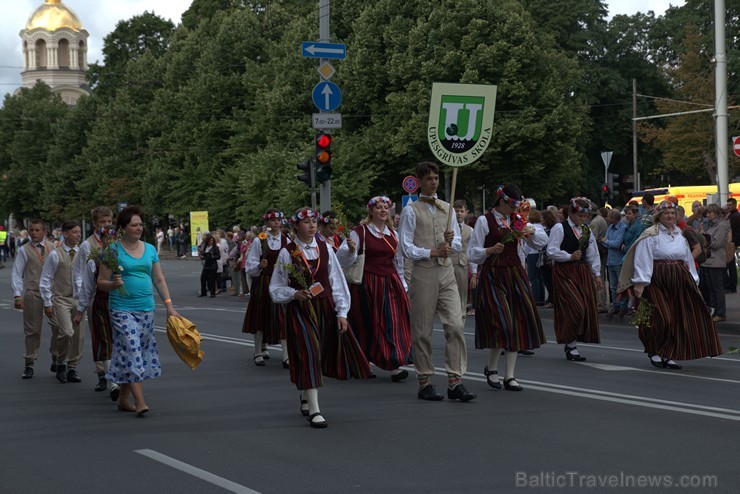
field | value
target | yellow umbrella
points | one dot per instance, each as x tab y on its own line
185	339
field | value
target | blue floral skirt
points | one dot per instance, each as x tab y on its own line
135	357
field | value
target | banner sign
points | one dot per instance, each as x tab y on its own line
198	229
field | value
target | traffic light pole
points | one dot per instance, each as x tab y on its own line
325	187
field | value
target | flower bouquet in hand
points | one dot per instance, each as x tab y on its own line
302	278
518	230
585	237
108	255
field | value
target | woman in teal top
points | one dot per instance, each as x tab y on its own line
135	357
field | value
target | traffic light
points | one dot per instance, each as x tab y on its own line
323	157
605	191
307	168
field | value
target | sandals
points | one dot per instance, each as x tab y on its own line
304	407
317	425
494	384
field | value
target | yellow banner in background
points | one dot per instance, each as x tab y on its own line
198	228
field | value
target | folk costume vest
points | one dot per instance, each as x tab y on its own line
429	231
63	286
571	243
34	264
510	255
461	258
316	270
271	255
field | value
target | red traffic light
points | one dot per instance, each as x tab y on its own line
604	188
323	141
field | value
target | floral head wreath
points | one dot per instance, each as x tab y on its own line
303	214
372	202
574	206
274	214
105	231
327	220
509	200
664	206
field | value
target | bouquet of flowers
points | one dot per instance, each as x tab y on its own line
585	237
300	276
518	230
644	314
108	255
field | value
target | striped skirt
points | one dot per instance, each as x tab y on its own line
263	314
505	311
576	316
681	327
100	330
135	355
379	317
320	350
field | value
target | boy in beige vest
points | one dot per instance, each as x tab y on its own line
428	239
59	292
460	259
26	296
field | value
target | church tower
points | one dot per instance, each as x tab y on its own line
55	51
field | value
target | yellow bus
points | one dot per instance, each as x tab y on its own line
686	194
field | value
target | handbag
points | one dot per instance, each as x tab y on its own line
353	274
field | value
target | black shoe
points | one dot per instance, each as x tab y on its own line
511	387
660	364
494	384
528	353
102	384
115	392
670	364
397	378
201	294
62	373
429	393
570	356
72	376
286	364
317	425
53	368
460	393
27	372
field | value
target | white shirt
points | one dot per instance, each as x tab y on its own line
476	246
556	254
407	226
664	246
274	242
80	266
281	293
88	285
375	231
49	271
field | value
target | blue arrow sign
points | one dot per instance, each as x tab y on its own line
312	49
326	96
406	200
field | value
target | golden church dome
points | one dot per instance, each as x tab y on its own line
54	15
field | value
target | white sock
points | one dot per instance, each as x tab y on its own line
656	358
312	395
493	359
284	346
509	364
572	346
258	343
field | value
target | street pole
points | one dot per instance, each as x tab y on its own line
635	175
325	189
720	102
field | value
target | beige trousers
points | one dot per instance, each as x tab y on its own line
33	321
461	278
71	336
433	290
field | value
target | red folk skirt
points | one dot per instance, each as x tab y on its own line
576	315
263	314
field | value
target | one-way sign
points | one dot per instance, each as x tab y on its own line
312	49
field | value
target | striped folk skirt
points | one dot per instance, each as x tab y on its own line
505	311
576	316
379	318
681	327
100	330
316	348
263	314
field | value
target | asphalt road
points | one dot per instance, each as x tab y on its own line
611	424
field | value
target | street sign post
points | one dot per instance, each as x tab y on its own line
406	200
606	157
327	120
326	96
736	145
313	49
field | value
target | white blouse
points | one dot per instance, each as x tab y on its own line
556	254
476	246
274	242
665	246
281	293
407	227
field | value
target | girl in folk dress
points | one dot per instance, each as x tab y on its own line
662	270
576	273
309	281
380	307
265	319
505	310
344	248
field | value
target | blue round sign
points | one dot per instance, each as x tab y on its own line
326	96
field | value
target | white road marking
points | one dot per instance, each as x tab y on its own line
196	472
